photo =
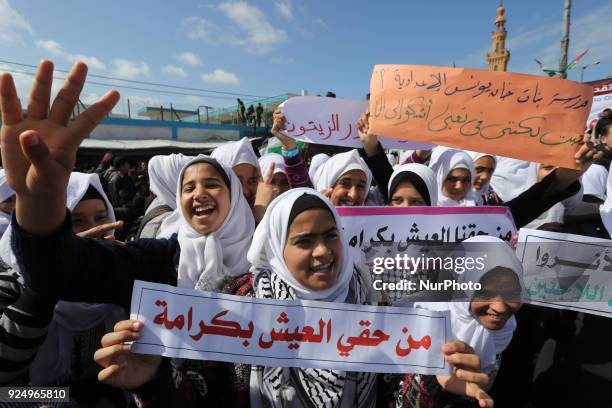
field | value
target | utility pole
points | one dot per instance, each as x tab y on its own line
567	7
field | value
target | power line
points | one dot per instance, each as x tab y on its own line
142	82
130	87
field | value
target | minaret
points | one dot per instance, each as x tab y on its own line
499	56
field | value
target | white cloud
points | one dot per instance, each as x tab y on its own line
130	69
219	76
190	58
319	21
194	99
282	60
12	24
258	36
198	28
174	70
284	8
55	48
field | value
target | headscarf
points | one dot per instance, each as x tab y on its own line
337	165
443	161
594	181
206	261
78	184
512	177
266	251
273	280
315	164
488	344
6	192
422	172
234	153
71	319
485	187
266	161
163	175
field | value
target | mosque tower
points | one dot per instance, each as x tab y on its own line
499	56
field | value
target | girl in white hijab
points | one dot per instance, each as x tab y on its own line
59	362
345	178
163	175
594	182
207	260
241	158
413	184
484	166
282	268
279	175
454	171
7	203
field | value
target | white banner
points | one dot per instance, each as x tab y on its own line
602	99
190	324
332	121
567	271
364	225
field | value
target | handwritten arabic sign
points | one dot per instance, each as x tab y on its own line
567	271
191	324
514	115
331	121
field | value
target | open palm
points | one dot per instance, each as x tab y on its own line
39	151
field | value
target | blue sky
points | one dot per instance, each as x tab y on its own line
270	47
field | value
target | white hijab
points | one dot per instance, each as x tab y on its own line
315	164
337	165
163	175
234	153
206	261
424	173
6	192
266	161
484	188
77	187
488	344
53	360
512	177
266	251
594	181
443	161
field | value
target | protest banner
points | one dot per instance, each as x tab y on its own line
602	99
418	234
566	271
514	115
364	225
332	121
187	323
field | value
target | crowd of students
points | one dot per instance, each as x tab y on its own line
263	227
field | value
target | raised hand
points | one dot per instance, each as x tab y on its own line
266	192
278	125
467	379
369	141
122	368
39	151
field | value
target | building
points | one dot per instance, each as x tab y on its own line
499	56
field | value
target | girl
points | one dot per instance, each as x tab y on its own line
279	174
484	166
345	178
413	184
454	170
241	158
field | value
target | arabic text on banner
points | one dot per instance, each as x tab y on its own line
567	271
522	116
191	324
332	121
364	225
